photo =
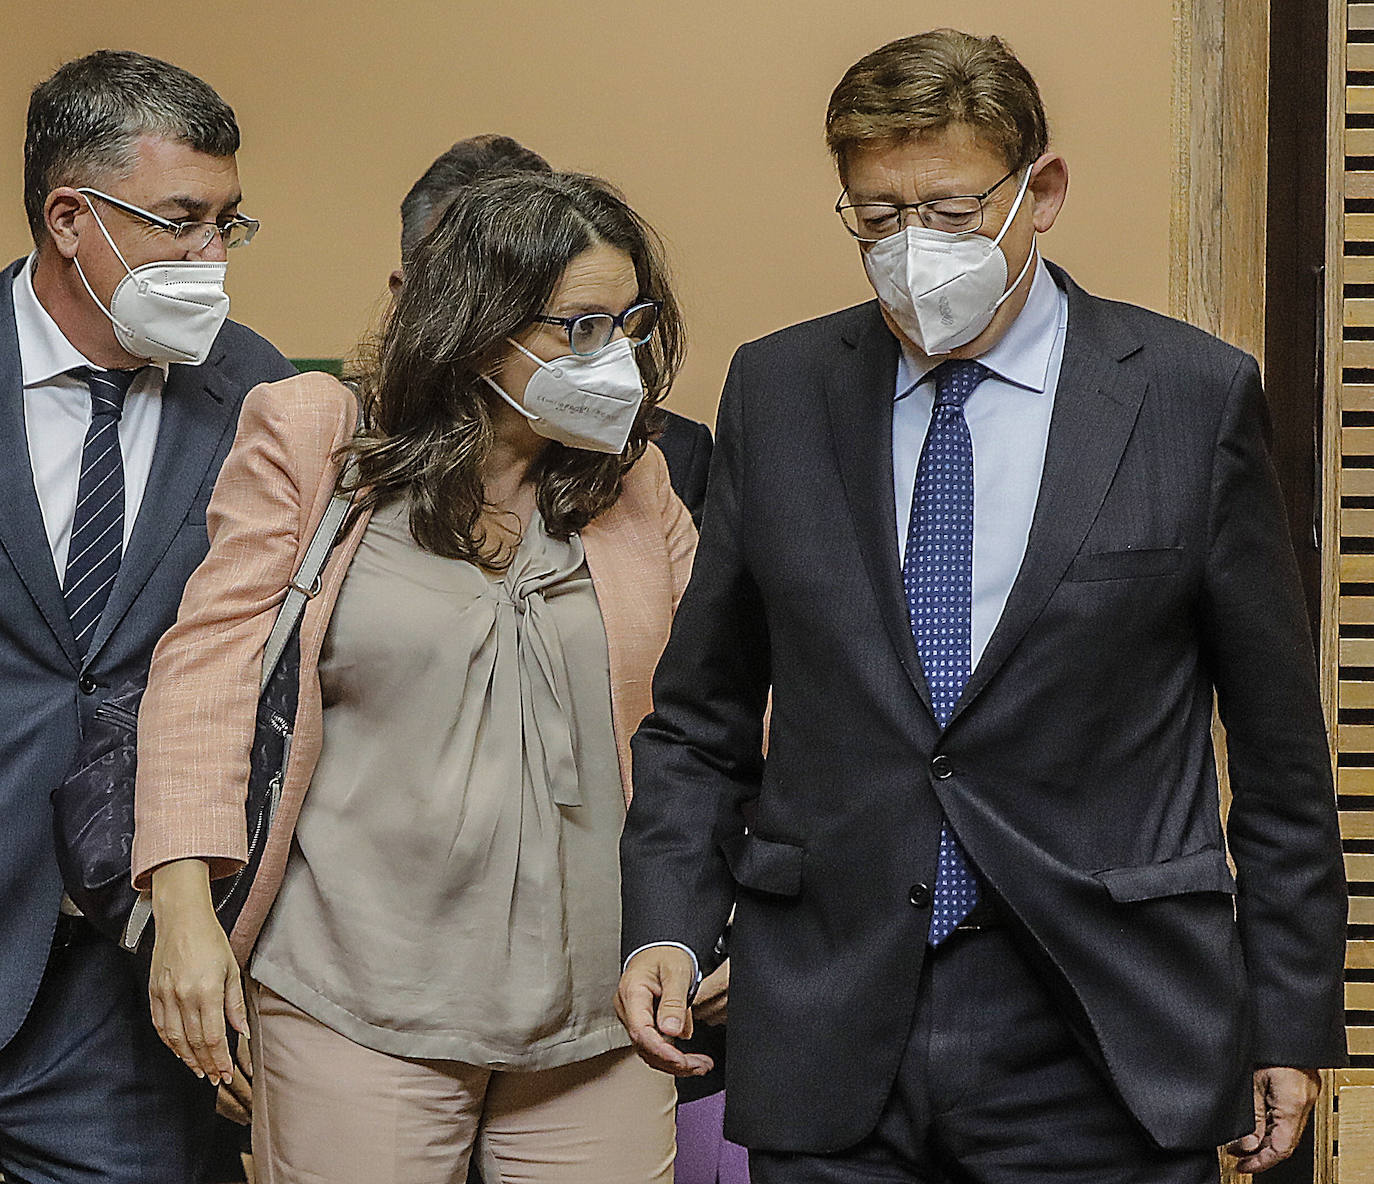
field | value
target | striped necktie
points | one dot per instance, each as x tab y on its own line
97	541
939	590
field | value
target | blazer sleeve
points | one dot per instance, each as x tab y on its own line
197	717
1282	829
698	755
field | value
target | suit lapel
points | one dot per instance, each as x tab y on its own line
859	393
1095	407
195	413
22	534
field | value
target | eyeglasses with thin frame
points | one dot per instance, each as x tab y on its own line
591	332
962	214
238	231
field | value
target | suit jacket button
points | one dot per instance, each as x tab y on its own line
920	895
87	685
942	767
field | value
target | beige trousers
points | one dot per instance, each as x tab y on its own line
328	1111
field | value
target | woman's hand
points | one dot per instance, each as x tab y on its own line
195	983
712	996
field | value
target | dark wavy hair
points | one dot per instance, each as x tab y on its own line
482	274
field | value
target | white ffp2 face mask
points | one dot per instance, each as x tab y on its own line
165	312
942	289
583	402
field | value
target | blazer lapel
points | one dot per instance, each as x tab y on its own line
1095	408
22	534
195	412
860	391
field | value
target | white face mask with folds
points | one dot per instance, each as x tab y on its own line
942	289
583	402
166	312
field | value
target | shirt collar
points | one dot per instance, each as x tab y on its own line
44	351
1021	357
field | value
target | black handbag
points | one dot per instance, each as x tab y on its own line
93	807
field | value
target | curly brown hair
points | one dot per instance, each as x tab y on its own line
480	276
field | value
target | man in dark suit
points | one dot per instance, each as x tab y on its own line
686	444
994	544
120	385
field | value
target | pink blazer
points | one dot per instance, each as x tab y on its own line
197	718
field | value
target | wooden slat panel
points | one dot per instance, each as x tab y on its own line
1359	228
1357	569
1361	1041
1359	955
1360	311
1359	16
1348	1078
1355	781
1357	610
1357	441
1355	737
1358	353
1362	913
1357	482
1359	56
1359	141
1359	100
1357	396
1357	524
1357	824
1357	695
1355	1164
1357	651
1359	269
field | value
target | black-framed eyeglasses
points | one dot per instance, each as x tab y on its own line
591	332
238	231
962	214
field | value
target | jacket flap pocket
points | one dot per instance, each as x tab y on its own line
764	865
1121	565
1202	871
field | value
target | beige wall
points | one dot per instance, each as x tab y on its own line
707	112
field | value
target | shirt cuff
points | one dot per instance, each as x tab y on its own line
677	945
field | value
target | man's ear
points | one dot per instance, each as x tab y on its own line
1049	185
59	217
395	280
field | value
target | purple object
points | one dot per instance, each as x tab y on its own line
704	1154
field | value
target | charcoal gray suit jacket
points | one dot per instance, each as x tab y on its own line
47	689
1077	768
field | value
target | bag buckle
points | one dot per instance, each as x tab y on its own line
311	592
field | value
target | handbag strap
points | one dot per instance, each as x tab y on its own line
305	584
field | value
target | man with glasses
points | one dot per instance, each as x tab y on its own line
996	546
120	384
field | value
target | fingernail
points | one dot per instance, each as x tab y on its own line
672	1026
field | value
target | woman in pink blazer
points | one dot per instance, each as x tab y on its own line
431	942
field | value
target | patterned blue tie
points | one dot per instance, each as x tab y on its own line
939	594
98	526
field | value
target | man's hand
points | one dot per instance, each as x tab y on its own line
652	1005
1283	1103
712	996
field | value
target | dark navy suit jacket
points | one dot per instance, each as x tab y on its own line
47	691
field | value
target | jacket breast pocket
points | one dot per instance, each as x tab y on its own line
1202	871
1136	563
765	865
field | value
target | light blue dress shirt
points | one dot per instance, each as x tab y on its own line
1009	420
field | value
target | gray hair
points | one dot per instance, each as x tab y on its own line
84	121
473	159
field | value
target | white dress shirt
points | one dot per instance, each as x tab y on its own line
57	413
1008	418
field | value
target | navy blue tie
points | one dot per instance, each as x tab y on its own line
939	593
97	543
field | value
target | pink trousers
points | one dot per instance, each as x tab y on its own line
328	1111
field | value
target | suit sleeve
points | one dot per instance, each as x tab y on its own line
1282	830
197	717
697	757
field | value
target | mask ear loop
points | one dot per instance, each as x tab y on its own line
86	283
1030	255
530	415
